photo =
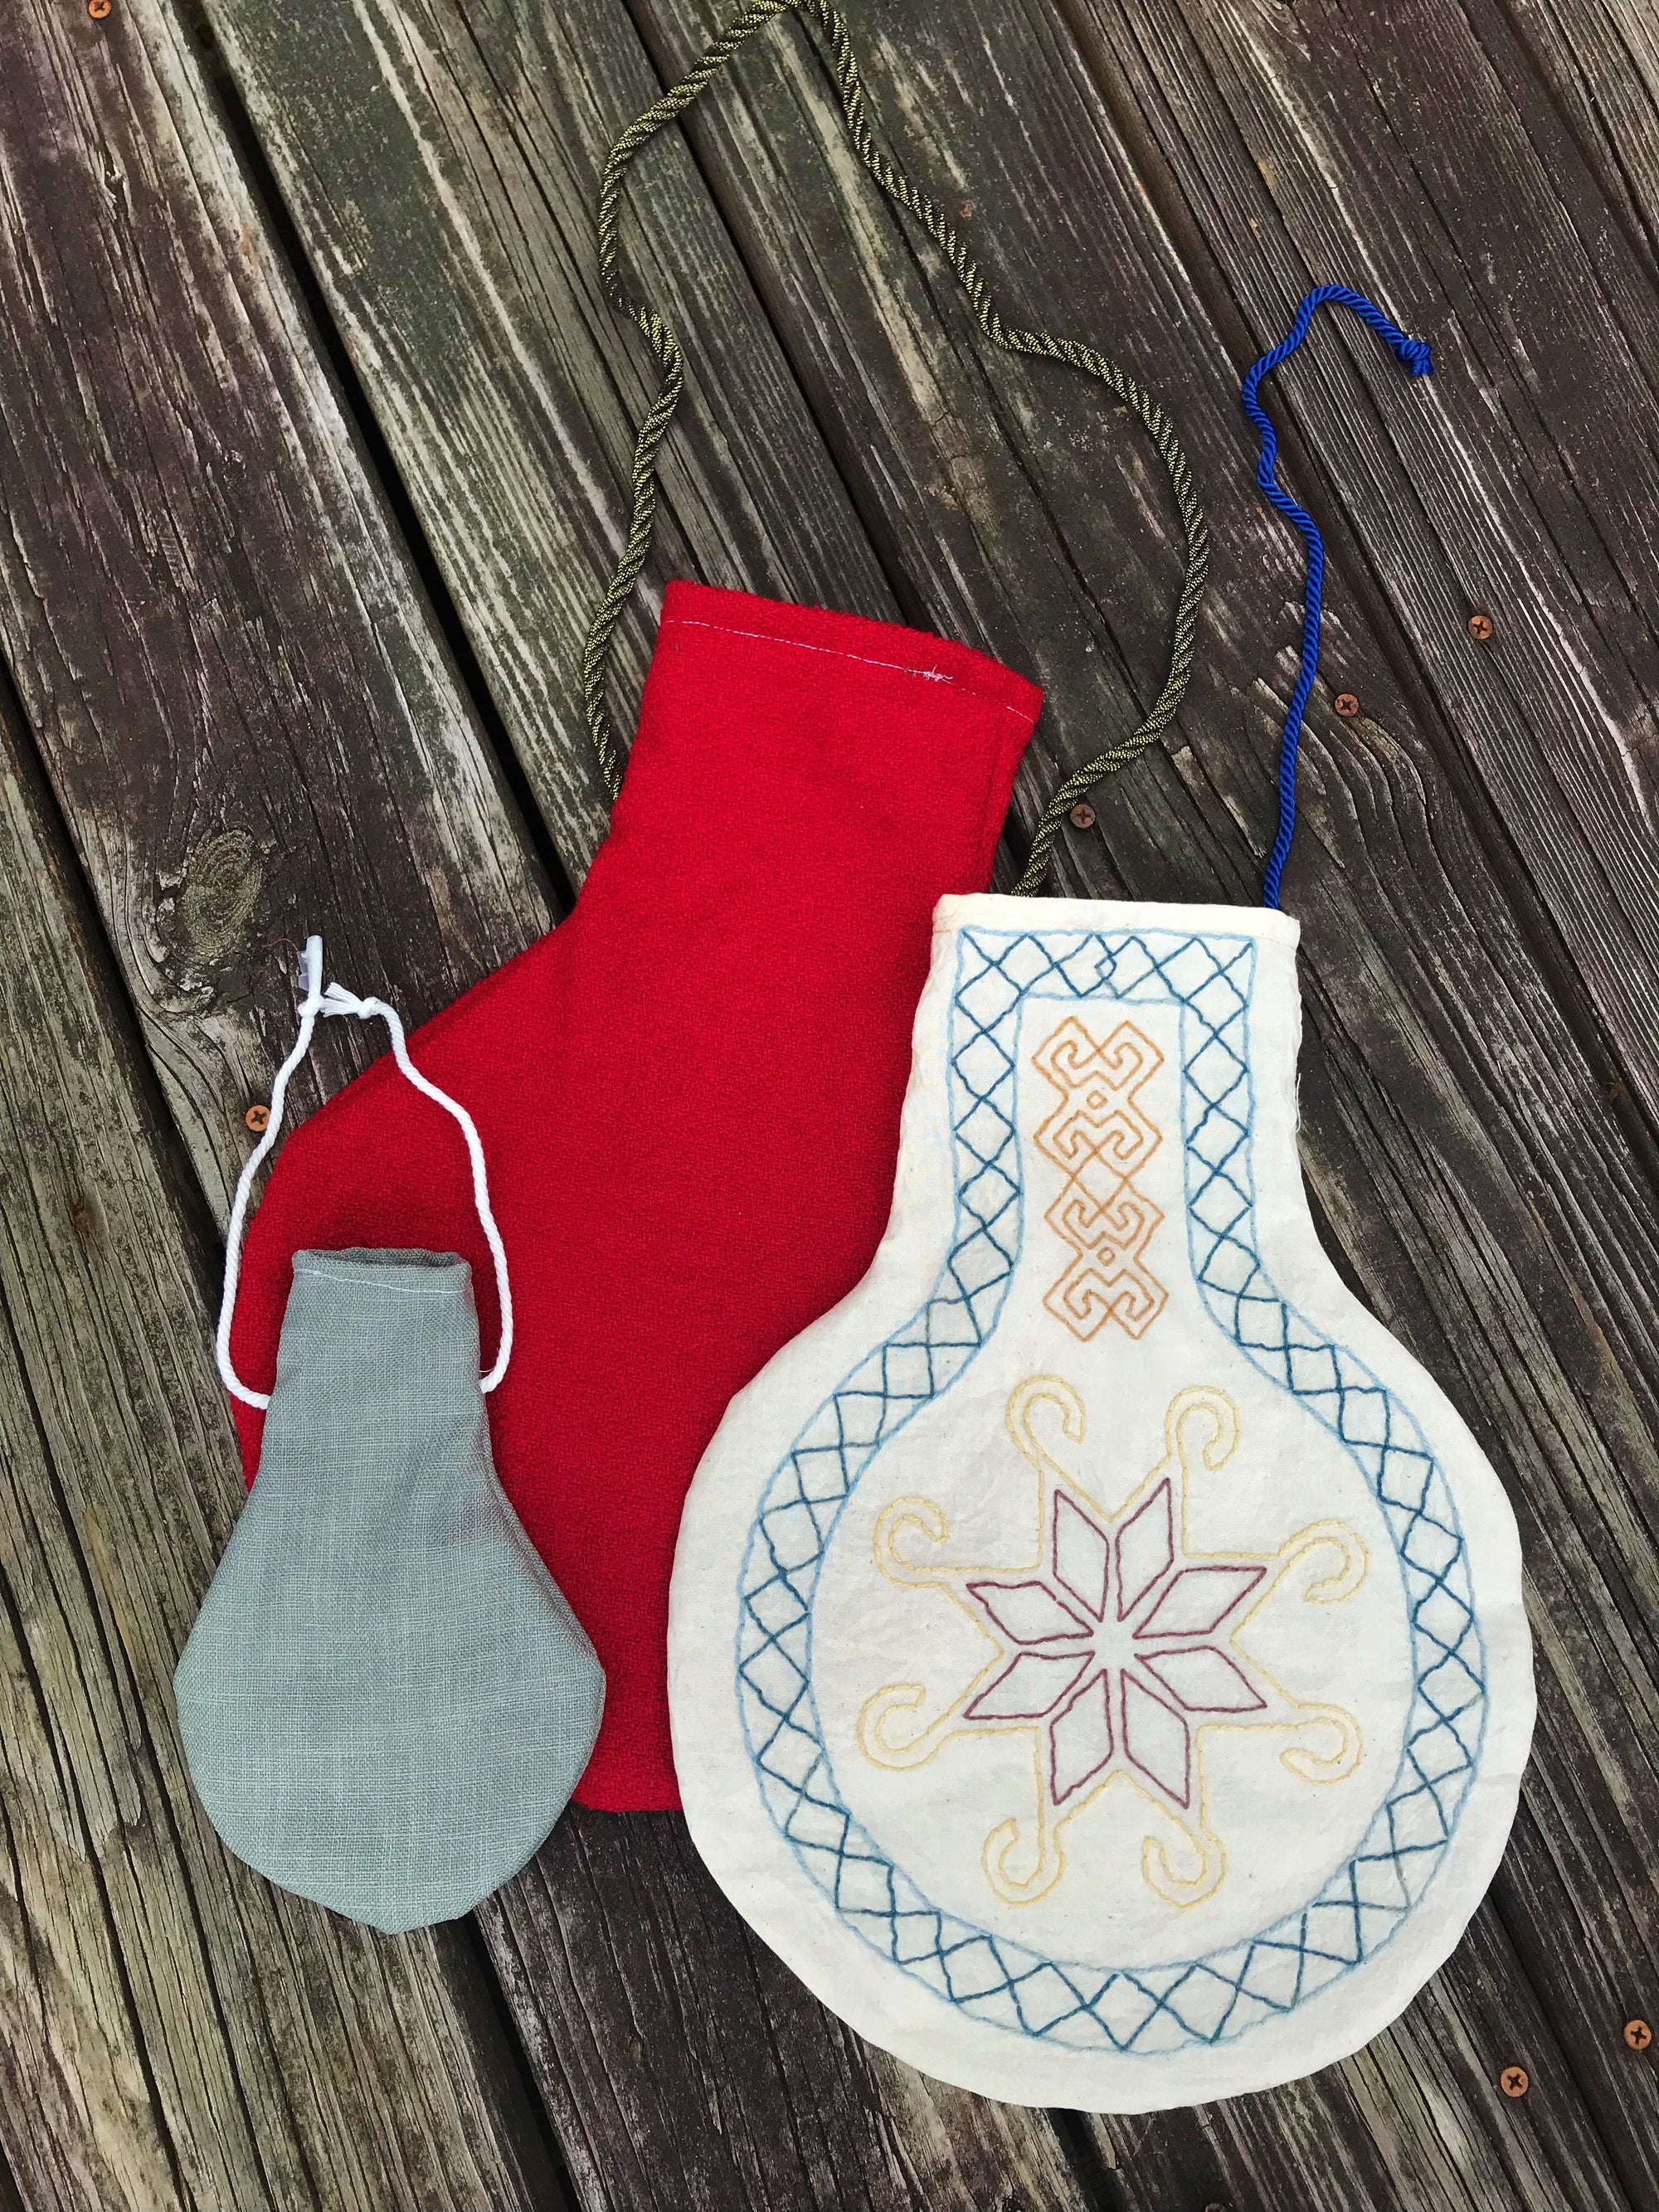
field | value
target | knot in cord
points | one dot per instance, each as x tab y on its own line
336	1000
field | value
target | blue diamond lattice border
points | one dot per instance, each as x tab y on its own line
1204	1999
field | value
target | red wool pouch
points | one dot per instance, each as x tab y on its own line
690	1092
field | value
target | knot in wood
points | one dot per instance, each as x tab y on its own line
219	893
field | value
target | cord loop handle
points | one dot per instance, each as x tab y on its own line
898	187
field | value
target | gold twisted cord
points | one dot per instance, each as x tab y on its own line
596	651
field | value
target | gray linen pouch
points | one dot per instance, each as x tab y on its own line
385	1700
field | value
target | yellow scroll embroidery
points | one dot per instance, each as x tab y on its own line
1116	1650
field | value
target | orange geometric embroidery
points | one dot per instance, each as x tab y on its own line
1101	1138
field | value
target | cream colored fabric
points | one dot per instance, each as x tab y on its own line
1096	1655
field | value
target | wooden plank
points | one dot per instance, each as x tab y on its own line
168	438
1600	60
173	2033
1425	1004
1393	2127
78	2116
1420	154
193	543
441	164
348	304
804	2113
340	782
1414	154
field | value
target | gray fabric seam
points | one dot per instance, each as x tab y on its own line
366	1282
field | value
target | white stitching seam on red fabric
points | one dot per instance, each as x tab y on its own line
836	653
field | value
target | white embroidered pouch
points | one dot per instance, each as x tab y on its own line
1097	1653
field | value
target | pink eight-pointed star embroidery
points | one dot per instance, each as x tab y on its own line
1118	1648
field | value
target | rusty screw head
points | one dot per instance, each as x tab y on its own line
1480	626
1346	704
1083	816
99	9
1637	2034
257	1119
1515	2082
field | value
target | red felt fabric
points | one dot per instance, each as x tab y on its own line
687	1093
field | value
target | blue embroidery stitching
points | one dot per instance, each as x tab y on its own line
1204	1999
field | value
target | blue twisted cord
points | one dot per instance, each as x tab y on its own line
1416	355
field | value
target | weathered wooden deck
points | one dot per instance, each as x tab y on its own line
313	433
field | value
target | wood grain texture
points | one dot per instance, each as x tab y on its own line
1477	1186
441	163
616	1941
219	648
377	816
173	2033
1408	151
1414	2119
1600	61
920	323
245	713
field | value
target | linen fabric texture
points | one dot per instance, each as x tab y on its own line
386	1701
689	1093
1096	1649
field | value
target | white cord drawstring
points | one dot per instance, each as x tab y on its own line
311	969
338	1001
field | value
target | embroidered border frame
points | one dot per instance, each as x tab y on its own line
1202	2000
